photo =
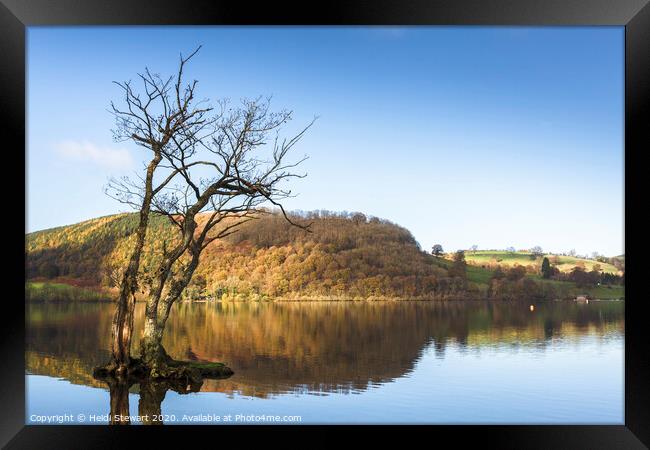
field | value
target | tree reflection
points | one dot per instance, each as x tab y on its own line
151	395
319	347
119	401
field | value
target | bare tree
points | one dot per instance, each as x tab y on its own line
224	162
537	251
112	273
157	116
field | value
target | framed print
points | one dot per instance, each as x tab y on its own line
367	216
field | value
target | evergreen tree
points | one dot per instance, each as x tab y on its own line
546	268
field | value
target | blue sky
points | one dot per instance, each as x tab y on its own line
494	136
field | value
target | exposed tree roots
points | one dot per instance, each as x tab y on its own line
163	369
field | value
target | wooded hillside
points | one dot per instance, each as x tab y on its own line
344	255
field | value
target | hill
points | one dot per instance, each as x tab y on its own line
343	256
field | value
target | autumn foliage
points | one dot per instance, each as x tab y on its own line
344	255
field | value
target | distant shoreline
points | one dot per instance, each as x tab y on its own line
60	293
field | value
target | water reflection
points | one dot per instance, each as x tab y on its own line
119	401
150	398
314	347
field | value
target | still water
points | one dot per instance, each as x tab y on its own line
322	362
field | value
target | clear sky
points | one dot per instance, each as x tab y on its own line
494	136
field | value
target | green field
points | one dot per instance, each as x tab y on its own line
49	292
481	277
475	274
599	292
505	258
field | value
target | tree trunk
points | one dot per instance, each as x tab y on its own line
158	364
122	325
122	332
156	311
152	353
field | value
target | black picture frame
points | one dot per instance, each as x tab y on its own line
16	15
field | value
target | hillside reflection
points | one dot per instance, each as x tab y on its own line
277	348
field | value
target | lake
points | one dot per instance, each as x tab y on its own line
347	362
